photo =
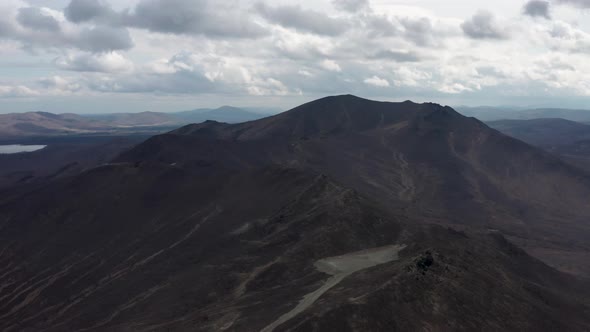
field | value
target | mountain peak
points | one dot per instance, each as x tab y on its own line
343	113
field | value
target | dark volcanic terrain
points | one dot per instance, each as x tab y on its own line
342	214
63	156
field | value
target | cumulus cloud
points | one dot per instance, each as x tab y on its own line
197	47
303	20
331	65
564	37
537	8
38	28
194	17
102	38
350	5
578	3
483	25
377	81
18	91
59	85
398	56
111	62
190	17
37	19
79	11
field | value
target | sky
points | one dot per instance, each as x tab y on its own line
99	56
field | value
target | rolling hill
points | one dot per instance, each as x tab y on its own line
43	123
509	113
49	124
565	138
544	132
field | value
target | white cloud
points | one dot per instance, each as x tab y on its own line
111	62
186	48
18	91
377	81
331	65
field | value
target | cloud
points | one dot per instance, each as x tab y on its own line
537	8
79	11
183	17
331	65
210	18
303	20
111	62
350	5
377	81
562	36
18	91
37	28
398	56
101	39
58	85
483	25
454	88
37	19
419	30
577	3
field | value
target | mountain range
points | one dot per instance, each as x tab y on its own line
49	124
569	139
487	113
342	214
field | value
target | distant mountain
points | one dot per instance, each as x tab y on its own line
568	139
48	124
142	119
343	214
226	114
544	132
501	113
43	123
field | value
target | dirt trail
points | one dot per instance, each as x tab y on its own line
340	267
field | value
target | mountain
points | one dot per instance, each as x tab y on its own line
503	113
341	214
544	132
141	119
223	114
49	124
424	159
568	139
43	123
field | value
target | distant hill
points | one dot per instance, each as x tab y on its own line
501	113
568	139
49	124
134	119
226	114
43	123
544	132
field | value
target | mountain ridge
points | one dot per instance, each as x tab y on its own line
492	232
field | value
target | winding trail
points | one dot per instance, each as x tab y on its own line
340	267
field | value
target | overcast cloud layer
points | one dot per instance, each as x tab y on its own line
91	56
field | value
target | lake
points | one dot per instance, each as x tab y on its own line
18	148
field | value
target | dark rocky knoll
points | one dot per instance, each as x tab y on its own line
217	227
